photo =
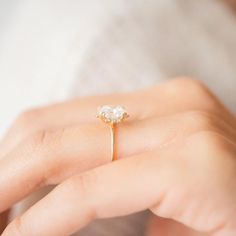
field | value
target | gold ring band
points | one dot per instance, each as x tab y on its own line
112	115
113	143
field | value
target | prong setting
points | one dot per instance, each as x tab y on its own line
112	114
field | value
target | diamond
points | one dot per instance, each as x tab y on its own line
112	114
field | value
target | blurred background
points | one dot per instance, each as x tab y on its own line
52	50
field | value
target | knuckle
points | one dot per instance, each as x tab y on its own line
213	149
29	119
181	83
82	187
46	138
215	160
200	120
46	144
34	149
192	89
85	183
214	145
211	139
44	150
39	139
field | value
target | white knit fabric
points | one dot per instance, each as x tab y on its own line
56	49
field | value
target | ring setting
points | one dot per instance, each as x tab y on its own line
112	115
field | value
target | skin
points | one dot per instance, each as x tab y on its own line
177	158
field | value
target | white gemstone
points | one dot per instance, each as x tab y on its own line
111	113
119	112
104	110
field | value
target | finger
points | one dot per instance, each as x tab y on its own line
77	111
119	188
167	98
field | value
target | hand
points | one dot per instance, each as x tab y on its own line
177	158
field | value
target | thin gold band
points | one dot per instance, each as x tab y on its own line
113	142
112	115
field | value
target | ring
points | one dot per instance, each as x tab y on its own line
112	115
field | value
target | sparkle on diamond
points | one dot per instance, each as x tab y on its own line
113	114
